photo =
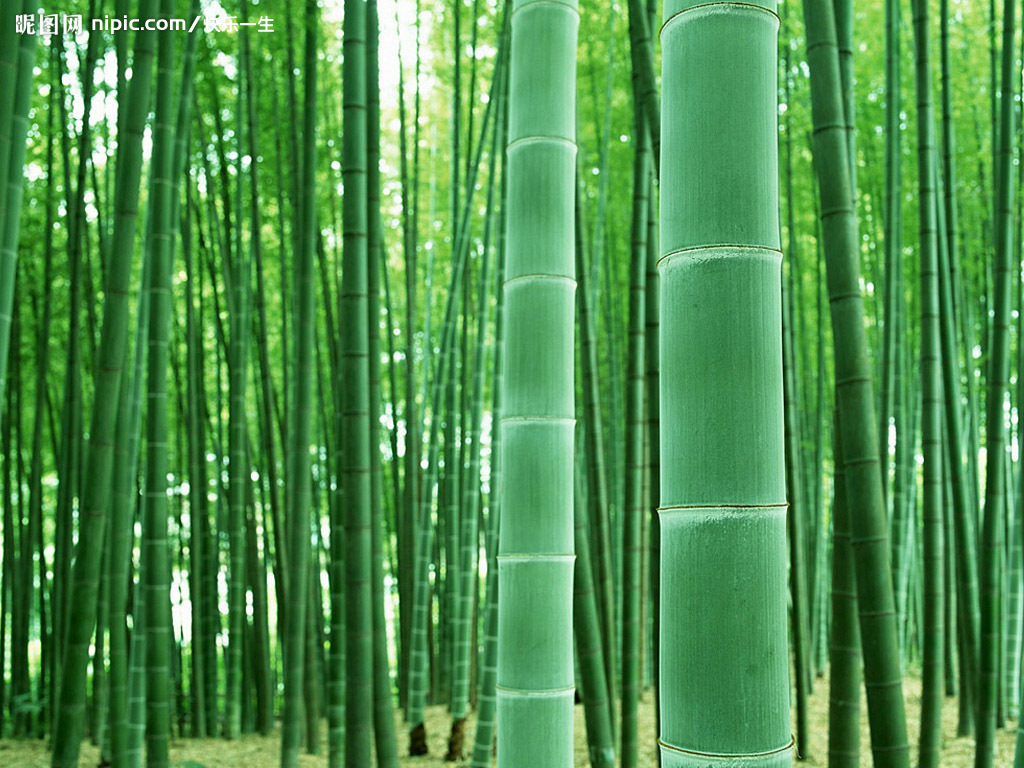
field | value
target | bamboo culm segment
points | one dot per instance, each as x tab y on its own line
723	689
855	399
355	386
931	414
535	686
844	653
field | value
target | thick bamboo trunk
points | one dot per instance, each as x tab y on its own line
535	686
724	689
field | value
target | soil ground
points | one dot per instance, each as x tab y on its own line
262	752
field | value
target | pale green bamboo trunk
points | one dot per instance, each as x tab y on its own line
535	561
723	687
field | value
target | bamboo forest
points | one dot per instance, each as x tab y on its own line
528	383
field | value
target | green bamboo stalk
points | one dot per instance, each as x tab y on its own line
597	477
795	521
334	686
1018	748
471	495
1015	607
386	746
855	399
127	673
645	81
597	706
314	684
535	562
995	423
8	590
1018	752
119	555
155	552
21	670
819	630
949	636
892	227
238	267
354	387
723	536
113	341
845	651
9	50
1014	587
794	336
964	501
15	98
298	518
197	480
136	720
950	208
210	619
419	650
449	511
269	405
42	358
70	458
599	236
413	438
632	531
652	309
903	475
257	682
844	44
486	698
933	687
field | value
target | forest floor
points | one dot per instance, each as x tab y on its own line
262	752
